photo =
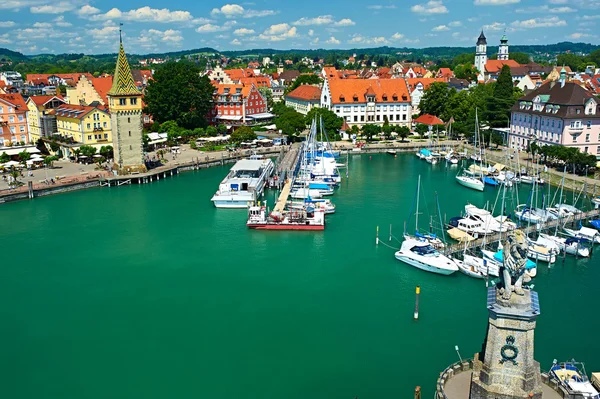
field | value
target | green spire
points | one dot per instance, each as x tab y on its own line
123	83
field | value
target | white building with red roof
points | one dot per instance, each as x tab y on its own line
303	98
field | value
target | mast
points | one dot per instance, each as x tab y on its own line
417	214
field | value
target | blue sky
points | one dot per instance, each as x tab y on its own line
57	26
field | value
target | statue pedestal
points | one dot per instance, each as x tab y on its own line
505	368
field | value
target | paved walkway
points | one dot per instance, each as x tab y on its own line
62	170
459	387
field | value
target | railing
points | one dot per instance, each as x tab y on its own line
448	373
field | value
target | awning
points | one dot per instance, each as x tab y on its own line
157	141
157	136
230	117
460	235
265	115
16	151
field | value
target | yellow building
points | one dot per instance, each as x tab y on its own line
89	90
41	121
85	125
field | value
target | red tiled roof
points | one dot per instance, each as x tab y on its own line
16	100
66	76
445	72
426	82
429	120
236	74
493	66
306	93
41	100
221	89
383	89
75	111
259	81
102	86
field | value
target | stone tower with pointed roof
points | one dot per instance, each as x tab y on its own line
125	104
481	53
503	48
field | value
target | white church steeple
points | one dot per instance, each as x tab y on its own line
503	48
481	53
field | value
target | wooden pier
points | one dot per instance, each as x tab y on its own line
459	247
283	197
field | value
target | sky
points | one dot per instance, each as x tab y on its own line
92	27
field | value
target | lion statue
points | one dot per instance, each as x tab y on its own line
515	259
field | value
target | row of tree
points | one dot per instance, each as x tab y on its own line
559	156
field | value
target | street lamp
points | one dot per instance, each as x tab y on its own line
458	353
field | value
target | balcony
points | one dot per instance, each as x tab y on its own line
575	130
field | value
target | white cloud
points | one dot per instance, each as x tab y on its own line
345	22
440	28
311	32
578	35
209	28
494	2
7	24
278	32
473	19
381	7
542	22
169	35
494	26
105	32
544	8
397	36
88	10
42	25
145	14
359	39
243	31
332	40
561	10
455	24
235	42
236	10
431	7
60	21
54	8
320	20
315	40
558	1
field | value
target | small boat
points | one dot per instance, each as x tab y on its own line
526	179
459	235
596	202
491	181
326	205
499	224
595	223
468	269
572	246
302	193
453	160
567	210
470	182
585	233
422	255
305	219
498	259
526	214
538	252
572	378
391	152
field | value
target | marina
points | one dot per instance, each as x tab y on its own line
172	302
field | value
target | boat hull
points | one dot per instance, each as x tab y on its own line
475	185
231	204
423	266
277	226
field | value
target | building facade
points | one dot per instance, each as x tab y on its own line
368	101
41	119
238	104
557	113
89	90
125	104
503	49
481	53
85	125
417	87
13	120
304	98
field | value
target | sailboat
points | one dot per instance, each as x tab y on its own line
419	252
472	181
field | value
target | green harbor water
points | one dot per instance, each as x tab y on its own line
150	292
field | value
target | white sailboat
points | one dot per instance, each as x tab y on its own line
474	182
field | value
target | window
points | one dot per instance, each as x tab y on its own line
104	124
122	101
88	125
404	117
10	109
21	118
105	136
22	137
377	117
362	118
12	129
1	110
587	138
129	133
130	147
585	149
128	120
11	119
133	101
89	136
22	129
589	124
355	118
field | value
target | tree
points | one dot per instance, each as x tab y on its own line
465	71
199	132
280	108
242	134
222	129
307	79
4	157
211	131
88	150
467	58
106	151
569	59
435	98
370	130
521	58
14	173
178	93
267	94
49	161
498	109
421	129
403	132
331	122
386	128
168	126
24	156
291	123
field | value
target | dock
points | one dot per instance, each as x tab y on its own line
283	197
284	171
459	247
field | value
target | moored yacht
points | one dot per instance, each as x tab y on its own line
422	255
573	380
244	184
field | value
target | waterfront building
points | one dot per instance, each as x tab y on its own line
83	124
13	119
417	87
557	113
125	104
41	119
368	101
238	104
303	98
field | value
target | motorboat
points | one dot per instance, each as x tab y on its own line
474	266
391	152
585	233
526	214
453	160
572	378
244	183
308	218
488	220
302	193
470	182
572	246
595	223
490	181
567	210
526	179
539	252
326	205
471	226
422	255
